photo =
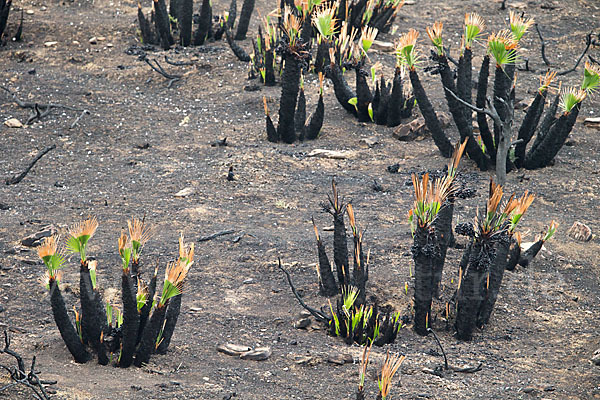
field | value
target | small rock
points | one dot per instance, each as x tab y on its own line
29	12
580	232
596	357
109	45
93	40
383	46
302	360
4	207
340	359
368	142
43	8
304	314
248	281
232	349
13	123
50	44
528	390
302	323
550	388
593	122
333	154
35	239
188	191
258	354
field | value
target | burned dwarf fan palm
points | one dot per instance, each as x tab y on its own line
134	332
429	197
294	54
4	11
486	257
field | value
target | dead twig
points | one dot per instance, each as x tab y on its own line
216	235
543	42
438	372
19	376
158	68
74	124
18	178
588	43
177	63
319	316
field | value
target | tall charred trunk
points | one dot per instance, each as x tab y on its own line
480	102
327	285
316	121
65	326
547	122
363	95
290	85
245	15
300	116
131	321
148	342
146	308
171	318
423	250
496	273
163	25
443	234
204	24
470	296
269	68
431	119
514	254
342	91
530	122
186	11
340	249
397	101
528	255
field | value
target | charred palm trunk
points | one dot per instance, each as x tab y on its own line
316	121
514	254
322	57
397	104
146	31
147	307
359	272
480	102
461	117
245	15
93	316
340	249
547	122
4	11
239	52
290	85
470	296
232	14
496	273
170	322
148	342
502	89
342	91
65	326
163	26
269	68
300	116
380	111
131	320
530	122
423	250
553	141
185	12
443	234
528	255
363	95
327	285
204	24
464	83
431	119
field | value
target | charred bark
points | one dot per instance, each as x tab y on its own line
245	15
131	321
290	85
148	342
342	91
423	250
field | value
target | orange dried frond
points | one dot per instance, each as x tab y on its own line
176	273
123	241
519	25
524	202
408	39
459	150
388	370
84	228
435	31
265	105
351	218
546	80
495	197
49	247
474	19
505	37
316	230
139	231
186	252
517	237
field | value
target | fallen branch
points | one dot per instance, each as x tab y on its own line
466	369
74	124
177	63
18	178
537	28
216	235
319	316
588	43
19	376
158	68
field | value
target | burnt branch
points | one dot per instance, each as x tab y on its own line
18	178
177	63
158	68
216	235
543	42
588	44
319	316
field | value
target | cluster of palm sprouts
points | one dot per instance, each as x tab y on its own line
499	143
390	366
146	323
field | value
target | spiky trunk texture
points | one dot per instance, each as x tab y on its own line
423	249
340	249
146	308
245	15
163	25
269	69
290	85
148	342
553	141
431	119
316	121
131	321
443	231
530	122
146	30
65	327
502	87
363	95
480	102
514	253
327	285
342	91
496	273
300	117
547	122
170	322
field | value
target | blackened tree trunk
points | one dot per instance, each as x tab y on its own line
269	69
171	318
242	29
530	122
496	273
4	12
146	308
528	255
397	101
239	52
327	285
463	123
316	120
363	95
381	110
300	116
146	31
322	57
470	296
464	83
431	119
186	11
502	89
547	122
423	250
480	102
163	25
514	254
290	85
65	326
443	232
232	14
340	249
342	91
204	24
131	321
148	342
553	141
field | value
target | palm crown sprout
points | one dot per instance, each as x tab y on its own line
503	47
174	277
80	234
474	26
125	251
546	81
51	256
519	25
429	197
406	53
324	20
139	233
570	98
435	35
591	77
